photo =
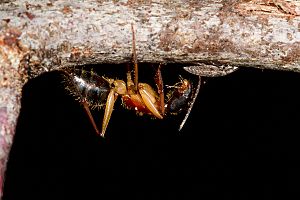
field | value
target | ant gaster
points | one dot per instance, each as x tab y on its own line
92	90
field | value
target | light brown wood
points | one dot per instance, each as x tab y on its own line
47	35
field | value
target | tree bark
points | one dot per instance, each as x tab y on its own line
44	36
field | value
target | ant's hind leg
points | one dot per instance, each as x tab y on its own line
87	110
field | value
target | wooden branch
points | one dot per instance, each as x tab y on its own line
44	36
241	33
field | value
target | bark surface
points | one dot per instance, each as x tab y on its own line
36	37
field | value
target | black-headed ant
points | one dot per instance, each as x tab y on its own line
94	90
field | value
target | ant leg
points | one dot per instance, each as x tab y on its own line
147	94
87	110
112	96
134	59
160	88
130	84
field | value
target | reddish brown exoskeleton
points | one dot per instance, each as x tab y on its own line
93	90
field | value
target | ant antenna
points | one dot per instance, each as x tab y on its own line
191	105
134	59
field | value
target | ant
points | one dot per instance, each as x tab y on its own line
93	90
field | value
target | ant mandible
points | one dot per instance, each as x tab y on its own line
92	90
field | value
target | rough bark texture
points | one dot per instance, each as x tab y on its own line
36	37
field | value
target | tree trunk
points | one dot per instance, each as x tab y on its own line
44	36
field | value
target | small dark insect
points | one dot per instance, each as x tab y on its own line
93	90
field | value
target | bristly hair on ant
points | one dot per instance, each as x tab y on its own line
95	91
87	86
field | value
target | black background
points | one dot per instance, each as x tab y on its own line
240	141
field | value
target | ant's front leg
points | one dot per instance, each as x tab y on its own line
136	74
160	89
144	100
130	84
149	97
140	96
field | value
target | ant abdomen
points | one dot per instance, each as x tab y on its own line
88	86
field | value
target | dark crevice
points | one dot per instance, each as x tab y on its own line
240	140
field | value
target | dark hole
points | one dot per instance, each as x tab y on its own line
239	141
